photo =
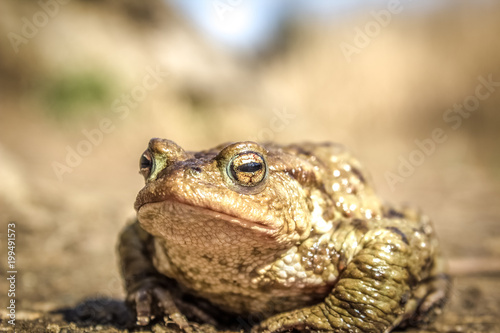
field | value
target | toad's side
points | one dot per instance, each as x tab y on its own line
293	235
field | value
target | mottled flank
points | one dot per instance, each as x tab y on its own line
292	235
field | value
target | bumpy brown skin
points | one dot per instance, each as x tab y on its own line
293	235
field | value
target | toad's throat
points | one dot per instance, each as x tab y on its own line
175	211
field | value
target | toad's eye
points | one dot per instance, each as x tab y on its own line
247	169
145	164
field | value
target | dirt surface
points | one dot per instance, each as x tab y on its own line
472	308
61	86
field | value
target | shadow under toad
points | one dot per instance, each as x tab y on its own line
114	313
99	311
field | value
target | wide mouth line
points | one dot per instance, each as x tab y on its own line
212	212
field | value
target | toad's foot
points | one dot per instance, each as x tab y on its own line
428	300
151	294
311	319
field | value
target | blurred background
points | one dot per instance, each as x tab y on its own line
411	87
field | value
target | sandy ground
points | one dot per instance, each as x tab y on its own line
395	92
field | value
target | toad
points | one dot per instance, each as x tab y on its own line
290	237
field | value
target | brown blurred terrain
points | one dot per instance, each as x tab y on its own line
74	74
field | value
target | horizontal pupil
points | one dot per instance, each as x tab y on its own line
250	167
145	163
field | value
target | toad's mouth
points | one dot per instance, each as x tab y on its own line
170	211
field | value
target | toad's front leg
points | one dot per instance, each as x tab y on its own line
374	289
146	288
